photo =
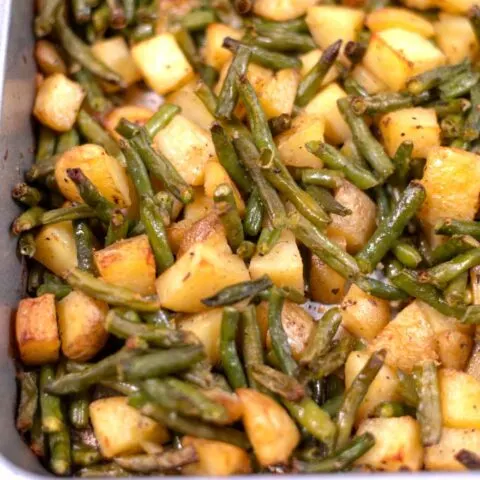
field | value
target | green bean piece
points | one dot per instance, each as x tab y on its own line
46	18
35	277
246	250
262	56
353	88
406	254
231	363
367	144
341	459
280	124
454	246
85	456
359	176
80	52
46	144
227	210
129	7
332	405
136	169
327	201
27	406
37	436
452	126
50	406
67	140
380	289
106	470
252	223
458	85
78	412
282	40
160	318
101	20
198	19
185	399
456	291
277	382
161	118
381	103
391	228
429	412
141	32
26	245
84	244
112	294
322	177
117	229
470	460
355	395
27	195
449	107
228	158
389	410
96	100
124	388
60	453
29	219
401	160
355	51
60	291
310	84
472	124
39	171
323	366
383	203
450	226
297	25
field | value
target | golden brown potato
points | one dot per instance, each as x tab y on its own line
81	320
455	6
230	401
36	330
398	444
216	458
57	102
133	113
278	96
214	53
200	207
270	429
121	429
48	58
364	315
281	10
176	232
390	17
129	263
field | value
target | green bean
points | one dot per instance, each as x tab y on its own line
84	245
262	56
227	210
454	246
161	118
199	374
450	226
85	456
389	410
322	177
50	406
355	395
472	124
246	250
125	388
296	25
452	126
458	85
252	223
160	318
78	412
470	460
355	51
228	351
129	7
332	405
429	412
26	245
67	140
321	338
101	20
449	107
46	144
380	289
406	253
327	201
280	124
368	146
37	436
60	291
106	470
323	366
136	169
277	382
29	219
39	171
81	52
27	406
35	277
160	363
353	88
198	19
456	290
187	426
359	176
46	18
60	454
282	40
95	98
112	294
383	203
341	459
142	32
401	160
27	195
392	227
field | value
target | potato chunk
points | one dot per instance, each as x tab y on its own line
398	444
455	6
385	18
283	273
115	54
291	143
383	389
270	429
420	4
36	330
182	287
120	429
279	94
442	455
216	458
128	263
214	53
452	183
188	147
200	207
364	315
58	101
419	125
281	10
162	63
324	104
100	168
358	227
460	399
409	339
395	55
133	113
81	323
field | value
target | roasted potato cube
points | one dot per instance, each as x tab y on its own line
36	330
206	326
120	429
200	207
270	429
283	273
310	59
370	82
48	58
385	18
176	232
420	4
455	6
215	175
214	53
442	455
57	102
358	227
230	401
182	287
297	323
409	339
364	315
281	10
327	24
291	143
398	444
100	168
162	63
216	458
133	113
128	263
395	55
115	54
383	389
56	248
452	182
188	147
419	125
460	399
455	37
324	104
81	322
278	96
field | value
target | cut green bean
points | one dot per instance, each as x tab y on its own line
322	177
227	210
327	201
27	406
95	97
27	195
252	223
50	405
198	19
85	456
252	346
161	118
380	289
277	382
458	85
107	470
60	453
450	226
78	412
389	410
